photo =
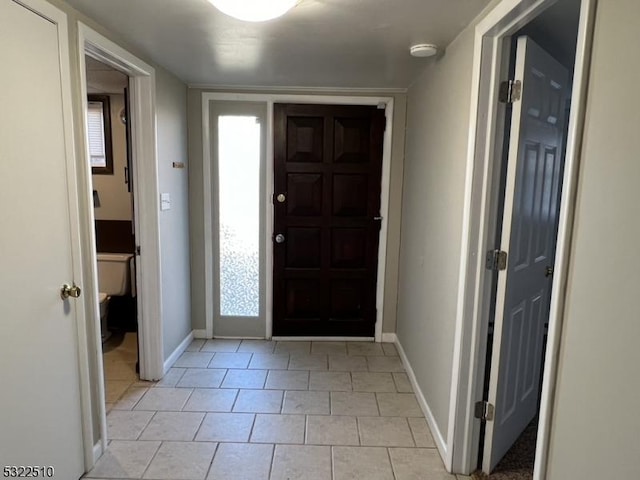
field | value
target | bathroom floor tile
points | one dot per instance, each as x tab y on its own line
330	381
195	345
348	363
130	398
385	432
356	403
241	461
269	361
126	425
194	360
371	463
301	462
411	463
331	430
421	433
211	400
329	348
124	459
389	349
114	389
257	346
287	380
230	360
303	361
202	378
364	348
293	347
225	427
278	429
373	382
306	402
244	379
259	401
171	378
178	426
384	364
181	461
402	382
164	399
398	405
220	345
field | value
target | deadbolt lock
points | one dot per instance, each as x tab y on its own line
281	198
279	238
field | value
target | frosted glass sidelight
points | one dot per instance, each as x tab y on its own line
239	214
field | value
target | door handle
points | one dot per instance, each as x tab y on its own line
279	238
548	271
70	291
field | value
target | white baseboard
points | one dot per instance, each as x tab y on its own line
323	339
200	333
97	453
168	363
433	426
389	338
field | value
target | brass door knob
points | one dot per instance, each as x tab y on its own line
70	291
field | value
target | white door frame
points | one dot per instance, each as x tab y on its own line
270	99
491	56
147	221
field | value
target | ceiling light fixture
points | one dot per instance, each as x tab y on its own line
254	10
423	50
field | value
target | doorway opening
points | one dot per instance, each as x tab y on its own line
530	65
110	156
142	172
267	103
542	56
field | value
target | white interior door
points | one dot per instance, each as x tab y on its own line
529	230
40	411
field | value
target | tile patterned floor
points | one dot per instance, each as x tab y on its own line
252	410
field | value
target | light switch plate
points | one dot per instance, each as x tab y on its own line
165	201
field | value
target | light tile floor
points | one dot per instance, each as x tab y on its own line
260	410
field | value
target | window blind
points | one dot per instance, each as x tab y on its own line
95	120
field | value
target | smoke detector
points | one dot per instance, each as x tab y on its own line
423	50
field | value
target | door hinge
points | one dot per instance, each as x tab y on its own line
484	411
137	249
496	260
510	91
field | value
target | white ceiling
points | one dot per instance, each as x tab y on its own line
320	43
103	79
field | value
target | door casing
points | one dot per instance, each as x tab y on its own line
487	118
147	220
269	99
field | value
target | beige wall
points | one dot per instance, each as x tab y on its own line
197	206
596	422
432	205
171	109
115	200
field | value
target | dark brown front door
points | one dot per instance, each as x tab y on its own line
328	165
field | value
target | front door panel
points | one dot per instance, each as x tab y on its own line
328	164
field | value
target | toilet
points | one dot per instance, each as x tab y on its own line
114	278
